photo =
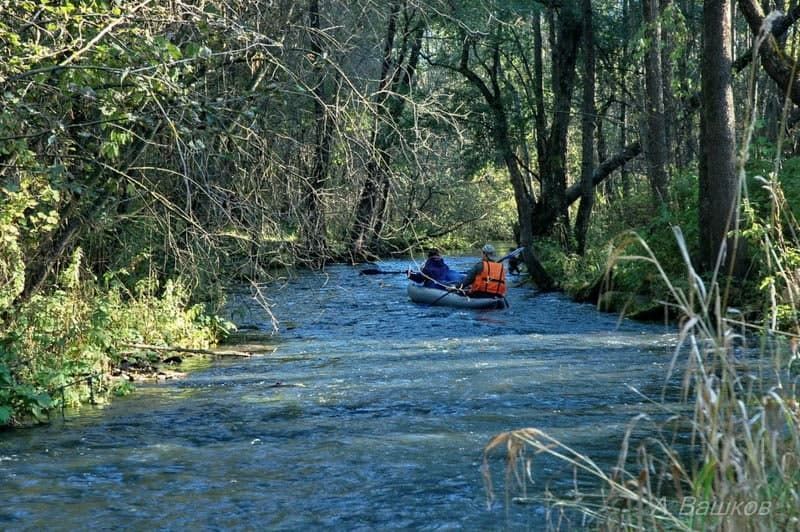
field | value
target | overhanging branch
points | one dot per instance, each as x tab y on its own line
604	170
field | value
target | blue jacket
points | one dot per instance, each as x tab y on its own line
436	272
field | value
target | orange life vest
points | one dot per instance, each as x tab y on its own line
491	280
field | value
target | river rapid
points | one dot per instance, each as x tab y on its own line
372	413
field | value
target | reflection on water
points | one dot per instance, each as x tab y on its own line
379	422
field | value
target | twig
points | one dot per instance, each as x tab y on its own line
100	35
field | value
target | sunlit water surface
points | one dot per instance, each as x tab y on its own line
384	425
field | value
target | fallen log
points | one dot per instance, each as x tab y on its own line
136	376
193	351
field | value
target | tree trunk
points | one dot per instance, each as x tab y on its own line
538	90
397	76
588	130
719	198
605	169
550	212
503	144
776	62
369	203
624	178
670	105
314	227
686	137
655	137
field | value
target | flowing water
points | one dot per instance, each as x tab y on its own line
379	421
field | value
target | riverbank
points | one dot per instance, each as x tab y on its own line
162	362
84	344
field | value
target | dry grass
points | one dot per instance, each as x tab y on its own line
741	471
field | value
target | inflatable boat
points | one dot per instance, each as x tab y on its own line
437	296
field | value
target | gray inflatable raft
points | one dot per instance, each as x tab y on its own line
435	296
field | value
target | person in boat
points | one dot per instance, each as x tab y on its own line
486	278
513	263
435	273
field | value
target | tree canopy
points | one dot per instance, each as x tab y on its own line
223	139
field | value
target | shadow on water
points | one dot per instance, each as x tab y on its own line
379	420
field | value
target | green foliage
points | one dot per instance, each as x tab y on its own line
770	212
578	274
60	344
16	397
486	194
454	211
122	388
143	316
27	211
629	280
66	135
760	171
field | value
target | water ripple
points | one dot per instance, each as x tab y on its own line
382	424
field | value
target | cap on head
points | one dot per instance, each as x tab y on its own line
488	249
433	252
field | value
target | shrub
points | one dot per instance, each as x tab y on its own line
59	348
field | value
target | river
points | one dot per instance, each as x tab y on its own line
379	421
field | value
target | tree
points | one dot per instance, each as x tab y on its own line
776	62
718	184
656	140
313	226
398	66
503	143
587	130
551	211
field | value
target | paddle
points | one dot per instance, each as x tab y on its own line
512	254
447	290
376	271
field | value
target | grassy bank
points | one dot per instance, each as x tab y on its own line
81	340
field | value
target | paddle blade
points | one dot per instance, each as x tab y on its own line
376	271
513	254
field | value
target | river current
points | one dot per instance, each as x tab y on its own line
371	414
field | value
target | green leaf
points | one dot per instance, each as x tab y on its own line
174	51
704	483
191	49
44	401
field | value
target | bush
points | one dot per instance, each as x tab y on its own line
60	348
